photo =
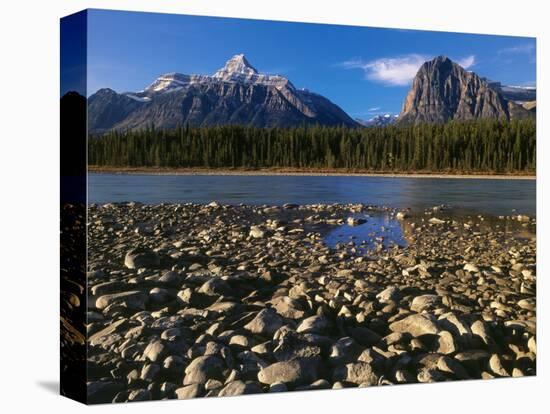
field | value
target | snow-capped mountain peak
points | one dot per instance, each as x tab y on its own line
173	81
379	120
239	69
236	70
238	64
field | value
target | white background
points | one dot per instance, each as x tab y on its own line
29	159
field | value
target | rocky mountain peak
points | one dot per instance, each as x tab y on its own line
442	90
238	64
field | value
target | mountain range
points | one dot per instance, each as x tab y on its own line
235	94
238	94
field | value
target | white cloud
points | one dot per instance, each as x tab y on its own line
394	71
374	109
527	48
399	70
467	62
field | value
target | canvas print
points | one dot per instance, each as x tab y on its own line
257	206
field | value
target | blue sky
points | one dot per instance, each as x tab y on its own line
364	70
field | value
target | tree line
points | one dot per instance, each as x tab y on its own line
489	146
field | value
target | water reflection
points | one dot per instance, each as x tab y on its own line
378	230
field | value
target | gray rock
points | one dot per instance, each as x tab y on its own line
101	392
154	350
480	329
160	295
174	364
430	375
356	373
292	345
390	294
134	300
343	351
140	395
295	372
203	368
107	287
528	304
256	232
453	367
190	391
278	387
415	325
446	343
141	258
171	278
288	307
318	324
149	372
495	364
425	302
215	287
109	335
365	336
265	323
239	387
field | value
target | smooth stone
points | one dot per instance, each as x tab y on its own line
256	232
203	368
430	375
495	364
154	350
140	395
365	336
239	387
528	304
278	387
416	325
134	300
318	324
343	351
265	323
190	391
149	372
390	294
446	343
479	328
109	334
141	258
452	366
424	302
294	372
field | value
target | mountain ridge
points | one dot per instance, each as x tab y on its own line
235	94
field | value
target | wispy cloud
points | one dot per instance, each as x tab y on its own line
525	48
398	70
374	109
467	62
393	71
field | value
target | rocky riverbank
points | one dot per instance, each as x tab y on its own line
210	300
